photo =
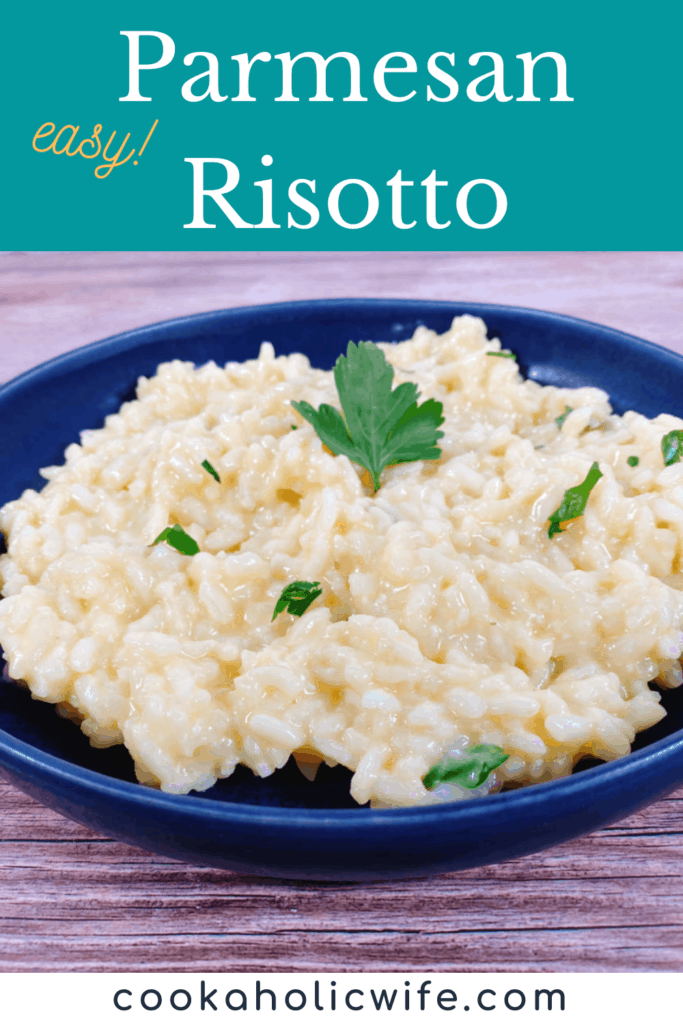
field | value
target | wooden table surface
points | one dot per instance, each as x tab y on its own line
74	900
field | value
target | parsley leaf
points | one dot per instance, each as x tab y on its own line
560	419
209	469
633	460
672	447
380	426
178	539
470	770
296	598
503	355
574	501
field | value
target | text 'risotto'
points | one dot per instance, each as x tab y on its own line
448	617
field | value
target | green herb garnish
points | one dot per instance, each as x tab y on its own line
633	460
503	355
293	426
296	598
574	501
470	770
560	419
209	469
178	539
380	427
672	447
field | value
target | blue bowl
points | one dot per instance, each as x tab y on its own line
285	826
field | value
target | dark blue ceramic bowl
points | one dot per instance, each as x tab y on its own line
284	825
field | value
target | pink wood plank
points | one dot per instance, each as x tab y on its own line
72	900
52	302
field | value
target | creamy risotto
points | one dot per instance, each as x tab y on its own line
448	617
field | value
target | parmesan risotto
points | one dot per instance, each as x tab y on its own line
448	617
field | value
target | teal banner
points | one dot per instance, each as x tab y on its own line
372	124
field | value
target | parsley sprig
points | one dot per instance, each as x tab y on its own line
574	501
178	539
297	597
380	426
470	770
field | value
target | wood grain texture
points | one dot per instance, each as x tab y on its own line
73	900
52	302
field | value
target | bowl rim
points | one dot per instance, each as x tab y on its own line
18	755
82	355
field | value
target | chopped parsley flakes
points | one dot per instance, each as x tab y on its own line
296	598
560	419
574	501
470	770
672	447
209	469
178	539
